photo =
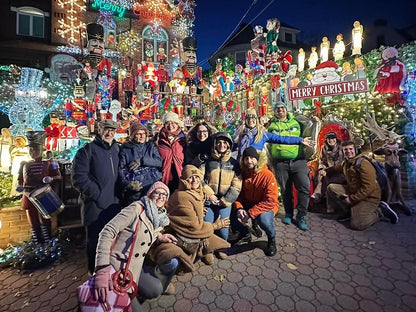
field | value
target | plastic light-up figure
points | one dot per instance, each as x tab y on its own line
301	60
339	48
357	38
324	53
28	110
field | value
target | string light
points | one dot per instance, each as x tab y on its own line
71	30
128	43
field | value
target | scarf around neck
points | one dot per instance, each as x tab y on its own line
159	218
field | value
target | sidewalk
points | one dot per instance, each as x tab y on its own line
328	268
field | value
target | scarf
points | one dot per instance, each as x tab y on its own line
159	218
246	137
333	154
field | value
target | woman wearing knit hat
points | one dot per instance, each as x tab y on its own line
252	133
140	163
111	253
171	144
186	214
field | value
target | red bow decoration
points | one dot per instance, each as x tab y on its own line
275	80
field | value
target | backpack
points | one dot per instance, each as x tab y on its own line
381	172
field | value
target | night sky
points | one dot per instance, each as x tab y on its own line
216	19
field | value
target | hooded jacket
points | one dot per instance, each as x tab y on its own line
222	172
259	190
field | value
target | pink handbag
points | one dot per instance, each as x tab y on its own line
119	300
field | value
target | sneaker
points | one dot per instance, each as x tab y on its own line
302	223
287	219
243	239
208	259
221	255
388	212
256	230
170	290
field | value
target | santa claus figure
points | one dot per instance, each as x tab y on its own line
150	77
391	74
326	72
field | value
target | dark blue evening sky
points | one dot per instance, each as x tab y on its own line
216	19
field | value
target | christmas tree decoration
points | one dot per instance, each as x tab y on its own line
73	27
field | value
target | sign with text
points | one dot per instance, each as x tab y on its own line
330	89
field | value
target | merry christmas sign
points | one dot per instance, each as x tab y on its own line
330	89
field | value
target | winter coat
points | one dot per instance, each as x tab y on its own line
186	214
362	185
95	175
222	175
198	152
121	229
259	191
147	153
172	154
288	127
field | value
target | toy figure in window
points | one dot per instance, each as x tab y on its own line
149	51
128	84
161	55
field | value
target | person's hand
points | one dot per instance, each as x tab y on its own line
308	142
221	223
242	215
167	238
322	172
47	179
135	185
347	199
214	199
134	165
19	189
102	284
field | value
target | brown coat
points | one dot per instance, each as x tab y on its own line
186	214
361	186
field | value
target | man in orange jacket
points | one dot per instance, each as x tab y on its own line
257	199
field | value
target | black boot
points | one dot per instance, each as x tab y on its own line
256	229
271	249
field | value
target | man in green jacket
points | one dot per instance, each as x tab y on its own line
360	199
289	165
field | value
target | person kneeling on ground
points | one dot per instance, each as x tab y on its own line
257	199
360	199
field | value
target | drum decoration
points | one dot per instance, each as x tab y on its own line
46	201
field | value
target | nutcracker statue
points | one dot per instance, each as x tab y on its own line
192	73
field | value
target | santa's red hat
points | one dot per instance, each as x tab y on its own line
326	65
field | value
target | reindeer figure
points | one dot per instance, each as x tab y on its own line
391	152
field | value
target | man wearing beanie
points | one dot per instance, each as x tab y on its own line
140	163
257	200
290	166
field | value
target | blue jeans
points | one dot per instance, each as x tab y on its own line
293	172
264	220
212	214
166	271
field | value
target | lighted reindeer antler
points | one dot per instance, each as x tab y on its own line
371	125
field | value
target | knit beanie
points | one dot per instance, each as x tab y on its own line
251	151
171	116
279	103
189	171
251	112
158	185
135	126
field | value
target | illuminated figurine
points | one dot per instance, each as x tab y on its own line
128	86
161	55
313	58
78	107
357	38
191	72
34	175
272	26
301	60
391	73
324	53
162	77
339	48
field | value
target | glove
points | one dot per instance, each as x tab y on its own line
102	284
134	165
135	186
242	215
221	223
47	179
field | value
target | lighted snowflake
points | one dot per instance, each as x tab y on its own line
182	27
72	27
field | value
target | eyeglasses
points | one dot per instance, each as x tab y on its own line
159	194
251	117
202	131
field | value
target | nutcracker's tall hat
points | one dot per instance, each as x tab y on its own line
36	138
189	43
95	31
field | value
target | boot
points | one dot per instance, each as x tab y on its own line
208	259
221	254
256	229
271	249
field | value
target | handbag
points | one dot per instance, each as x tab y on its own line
189	245
118	298
146	175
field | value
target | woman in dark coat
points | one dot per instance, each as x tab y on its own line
140	163
199	140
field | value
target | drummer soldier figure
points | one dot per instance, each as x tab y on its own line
35	174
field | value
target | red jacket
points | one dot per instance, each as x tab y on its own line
259	193
172	153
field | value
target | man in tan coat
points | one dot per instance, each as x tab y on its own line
360	199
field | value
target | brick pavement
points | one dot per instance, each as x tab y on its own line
328	268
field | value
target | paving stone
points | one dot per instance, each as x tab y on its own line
247	292
191	292
224	302
347	303
183	305
370	306
305	306
305	280
287	276
261	308
285	289
242	305
250	281
345	289
284	303
366	292
207	297
325	297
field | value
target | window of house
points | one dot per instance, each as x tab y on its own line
288	37
240	58
30	21
152	42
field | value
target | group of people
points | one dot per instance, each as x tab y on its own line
182	192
